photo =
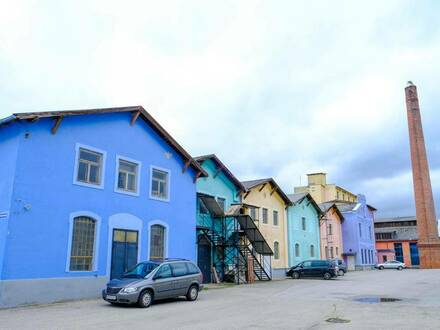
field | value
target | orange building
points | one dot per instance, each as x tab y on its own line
396	239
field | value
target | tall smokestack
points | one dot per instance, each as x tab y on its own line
429	242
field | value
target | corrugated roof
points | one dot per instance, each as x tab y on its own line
133	109
396	219
226	171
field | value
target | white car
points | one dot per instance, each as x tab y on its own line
391	264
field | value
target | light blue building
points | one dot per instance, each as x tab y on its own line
303	229
84	196
358	234
227	237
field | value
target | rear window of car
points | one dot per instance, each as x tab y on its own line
192	269
179	269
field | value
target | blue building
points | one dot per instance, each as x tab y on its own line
85	195
358	234
227	237
303	229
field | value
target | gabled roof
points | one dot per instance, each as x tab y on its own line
325	207
223	168
137	111
254	183
297	198
349	206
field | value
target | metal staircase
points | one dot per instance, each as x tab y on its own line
235	239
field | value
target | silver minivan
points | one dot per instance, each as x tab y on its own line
154	280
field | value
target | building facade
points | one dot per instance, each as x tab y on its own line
267	205
358	234
322	191
332	245
303	232
89	194
220	189
396	239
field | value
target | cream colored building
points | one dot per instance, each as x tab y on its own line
322	191
266	204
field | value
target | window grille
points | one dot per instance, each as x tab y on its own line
83	240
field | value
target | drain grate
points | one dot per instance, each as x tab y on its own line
337	320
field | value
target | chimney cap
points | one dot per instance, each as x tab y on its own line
409	83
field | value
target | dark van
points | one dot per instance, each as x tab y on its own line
314	268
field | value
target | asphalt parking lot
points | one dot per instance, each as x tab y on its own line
288	304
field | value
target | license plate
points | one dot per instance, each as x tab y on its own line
110	297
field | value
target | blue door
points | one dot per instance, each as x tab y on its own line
204	259
414	252
398	251
124	251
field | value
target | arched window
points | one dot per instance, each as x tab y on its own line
157	242
331	253
326	252
337	252
296	250
330	231
83	244
276	250
312	251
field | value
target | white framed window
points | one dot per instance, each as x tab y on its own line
160	183
276	250
275	218
89	168
127	176
83	242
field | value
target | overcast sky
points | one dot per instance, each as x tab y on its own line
274	88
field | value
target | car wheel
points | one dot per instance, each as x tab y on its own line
327	276
295	275
381	268
145	299
193	293
341	272
399	268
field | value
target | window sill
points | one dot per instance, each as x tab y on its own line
88	185
123	192
166	200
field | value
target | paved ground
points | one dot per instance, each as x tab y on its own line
287	304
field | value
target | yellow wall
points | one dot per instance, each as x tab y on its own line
271	233
328	192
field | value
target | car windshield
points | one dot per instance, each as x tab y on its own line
140	270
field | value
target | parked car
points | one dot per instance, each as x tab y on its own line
341	265
391	264
314	268
154	280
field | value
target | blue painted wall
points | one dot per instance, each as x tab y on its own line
353	241
305	238
220	186
44	195
9	144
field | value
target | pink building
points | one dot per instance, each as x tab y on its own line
331	231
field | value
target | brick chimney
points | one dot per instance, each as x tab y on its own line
429	242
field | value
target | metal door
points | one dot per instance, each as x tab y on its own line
124	251
414	251
204	259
